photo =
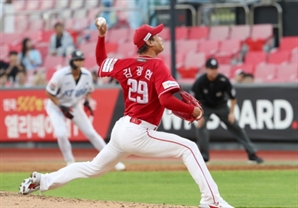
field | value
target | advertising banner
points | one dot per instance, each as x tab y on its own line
24	117
266	113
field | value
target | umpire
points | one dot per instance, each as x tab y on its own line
212	90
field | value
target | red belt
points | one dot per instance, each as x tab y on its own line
135	121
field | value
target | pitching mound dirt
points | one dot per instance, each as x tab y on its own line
13	200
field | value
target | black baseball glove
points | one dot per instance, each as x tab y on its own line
66	111
88	108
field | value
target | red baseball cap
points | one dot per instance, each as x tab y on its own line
144	32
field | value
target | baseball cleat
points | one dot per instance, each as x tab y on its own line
30	184
254	159
221	204
120	166
215	206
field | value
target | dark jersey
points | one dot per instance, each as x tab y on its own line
213	93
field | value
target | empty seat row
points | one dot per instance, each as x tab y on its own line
53	4
241	32
275	57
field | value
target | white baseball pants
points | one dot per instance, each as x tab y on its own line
80	119
142	140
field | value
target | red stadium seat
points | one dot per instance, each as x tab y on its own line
287	72
80	14
93	36
32	5
263	32
165	34
67	13
255	57
294	57
181	33
241	32
198	33
279	57
75	4
219	33
88	48
118	35
111	47
69	23
19	5
192	65
187	46
228	50
35	36
15	47
130	36
36	25
260	36
209	47
167	47
53	62
116	55
225	69
127	49
179	60
248	68
43	48
10	38
61	4
92	4
47	4
194	60
81	24
288	43
49	73
21	23
93	12
265	72
46	35
90	62
4	50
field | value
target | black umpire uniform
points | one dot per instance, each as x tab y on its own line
213	89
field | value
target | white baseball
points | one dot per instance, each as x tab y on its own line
100	21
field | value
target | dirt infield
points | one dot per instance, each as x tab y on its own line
13	200
48	160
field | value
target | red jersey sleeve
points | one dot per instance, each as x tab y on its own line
107	67
164	82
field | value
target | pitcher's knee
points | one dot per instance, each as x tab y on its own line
94	169
190	147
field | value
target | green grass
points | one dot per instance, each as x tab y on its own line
239	188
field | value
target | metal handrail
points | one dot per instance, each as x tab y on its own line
224	5
279	16
179	7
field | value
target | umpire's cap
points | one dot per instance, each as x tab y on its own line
77	55
211	63
144	32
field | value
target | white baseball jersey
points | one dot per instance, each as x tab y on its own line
64	87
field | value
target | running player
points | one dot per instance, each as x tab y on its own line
148	89
66	89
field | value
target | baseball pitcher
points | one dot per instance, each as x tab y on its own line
148	89
66	89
